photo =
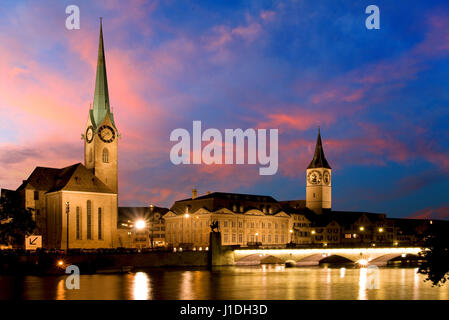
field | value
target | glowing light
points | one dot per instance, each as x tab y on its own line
381	229
140	224
325	244
362	262
342	272
186	215
291	231
373	244
362	228
395	243
403	255
60	263
313	232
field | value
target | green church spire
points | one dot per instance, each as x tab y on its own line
101	95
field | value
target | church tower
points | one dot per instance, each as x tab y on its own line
100	138
319	188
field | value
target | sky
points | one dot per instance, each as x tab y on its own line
380	97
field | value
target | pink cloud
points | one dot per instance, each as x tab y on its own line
432	213
267	15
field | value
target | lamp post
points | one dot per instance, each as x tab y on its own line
291	235
67	210
152	225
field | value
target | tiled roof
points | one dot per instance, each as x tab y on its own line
72	178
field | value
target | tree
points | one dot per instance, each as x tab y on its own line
15	222
435	253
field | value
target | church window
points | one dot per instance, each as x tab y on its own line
100	224
78	223
105	155
89	220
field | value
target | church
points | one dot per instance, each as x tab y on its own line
76	206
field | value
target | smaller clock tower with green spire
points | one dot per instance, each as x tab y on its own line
100	138
319	187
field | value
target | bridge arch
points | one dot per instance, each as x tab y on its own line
375	256
384	259
258	258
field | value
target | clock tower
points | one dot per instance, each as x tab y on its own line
100	138
319	188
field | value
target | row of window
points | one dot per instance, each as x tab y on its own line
89	220
252	238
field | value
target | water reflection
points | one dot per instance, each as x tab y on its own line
243	282
141	286
362	284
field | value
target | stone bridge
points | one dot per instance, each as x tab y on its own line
308	257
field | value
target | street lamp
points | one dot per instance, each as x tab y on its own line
152	225
67	210
291	235
140	224
257	234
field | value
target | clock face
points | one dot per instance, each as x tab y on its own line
106	134
326	177
89	134
314	177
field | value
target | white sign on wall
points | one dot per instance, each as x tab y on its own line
33	242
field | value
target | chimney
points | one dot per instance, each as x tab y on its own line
194	193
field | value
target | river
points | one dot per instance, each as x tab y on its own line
257	282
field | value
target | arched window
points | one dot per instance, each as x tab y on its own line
105	155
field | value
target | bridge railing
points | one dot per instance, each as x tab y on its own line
328	246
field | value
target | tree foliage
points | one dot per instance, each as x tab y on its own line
435	253
15	222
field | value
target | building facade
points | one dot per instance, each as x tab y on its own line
243	220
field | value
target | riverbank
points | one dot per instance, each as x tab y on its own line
91	263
